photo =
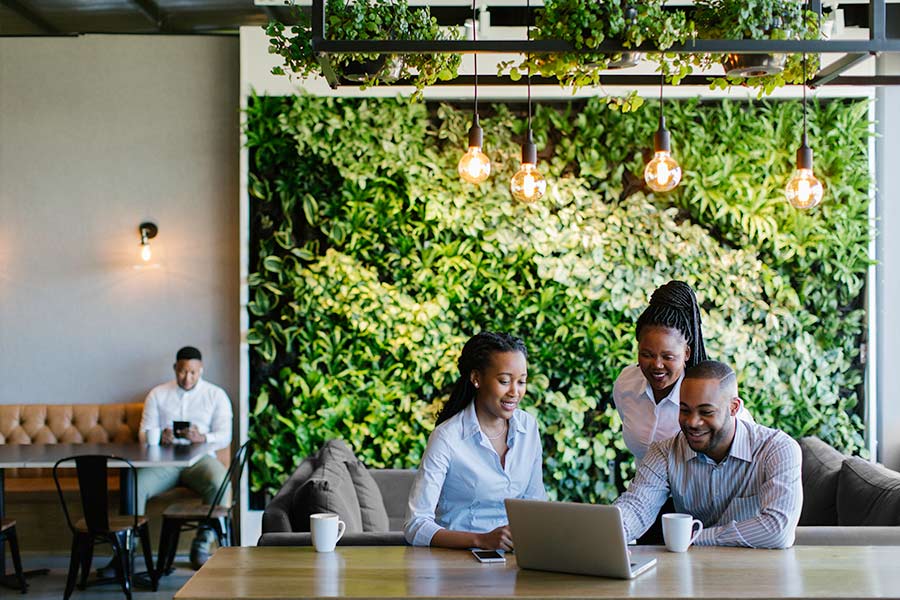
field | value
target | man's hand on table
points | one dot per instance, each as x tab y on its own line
192	434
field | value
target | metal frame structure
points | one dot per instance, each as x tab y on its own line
855	51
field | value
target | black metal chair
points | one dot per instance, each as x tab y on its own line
184	516
98	526
8	534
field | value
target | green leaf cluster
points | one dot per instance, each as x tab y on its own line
366	20
372	263
753	20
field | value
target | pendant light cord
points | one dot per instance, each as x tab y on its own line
528	55
475	54
805	142
662	81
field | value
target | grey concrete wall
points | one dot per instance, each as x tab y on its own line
97	134
887	156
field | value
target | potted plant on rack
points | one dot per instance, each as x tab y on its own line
756	20
588	23
366	20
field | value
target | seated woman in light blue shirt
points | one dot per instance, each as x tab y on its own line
483	450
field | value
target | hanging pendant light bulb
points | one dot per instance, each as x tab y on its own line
475	166
663	172
528	185
803	190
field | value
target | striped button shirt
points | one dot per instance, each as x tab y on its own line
752	498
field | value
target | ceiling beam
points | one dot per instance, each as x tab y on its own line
31	16
834	70
631	80
150	10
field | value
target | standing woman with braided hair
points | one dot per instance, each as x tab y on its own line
670	339
483	450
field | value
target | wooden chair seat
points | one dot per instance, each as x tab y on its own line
6	524
189	510
120	523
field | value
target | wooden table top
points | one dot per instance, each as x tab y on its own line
282	573
46	455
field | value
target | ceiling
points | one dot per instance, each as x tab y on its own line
74	17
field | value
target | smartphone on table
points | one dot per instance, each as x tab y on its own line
488	556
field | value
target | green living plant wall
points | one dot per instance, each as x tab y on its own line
372	263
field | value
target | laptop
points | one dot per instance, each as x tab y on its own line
585	539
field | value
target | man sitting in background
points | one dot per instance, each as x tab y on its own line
207	409
742	480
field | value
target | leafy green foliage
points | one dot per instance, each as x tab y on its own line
372	263
754	20
588	24
367	20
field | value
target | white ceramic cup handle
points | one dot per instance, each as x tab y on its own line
342	527
696	523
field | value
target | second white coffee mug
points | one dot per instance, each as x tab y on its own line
678	531
326	529
153	436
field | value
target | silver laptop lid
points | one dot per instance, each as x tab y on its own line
586	539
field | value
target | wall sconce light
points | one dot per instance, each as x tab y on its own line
148	231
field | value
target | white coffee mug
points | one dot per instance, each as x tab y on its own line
678	531
153	436
326	529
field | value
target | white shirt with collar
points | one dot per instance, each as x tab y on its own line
645	421
460	484
205	405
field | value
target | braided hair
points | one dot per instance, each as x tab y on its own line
476	356
674	306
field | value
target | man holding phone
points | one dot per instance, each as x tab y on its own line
187	410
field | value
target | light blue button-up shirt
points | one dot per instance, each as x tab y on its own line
461	485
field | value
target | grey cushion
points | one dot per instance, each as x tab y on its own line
868	494
337	449
820	472
329	489
279	515
371	504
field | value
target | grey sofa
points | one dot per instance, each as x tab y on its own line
847	501
372	502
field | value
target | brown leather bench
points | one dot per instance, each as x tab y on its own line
31	497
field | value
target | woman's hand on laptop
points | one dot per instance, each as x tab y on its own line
498	539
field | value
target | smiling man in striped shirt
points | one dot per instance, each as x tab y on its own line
741	479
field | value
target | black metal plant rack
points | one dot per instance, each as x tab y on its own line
854	51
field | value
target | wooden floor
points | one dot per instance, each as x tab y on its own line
51	586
